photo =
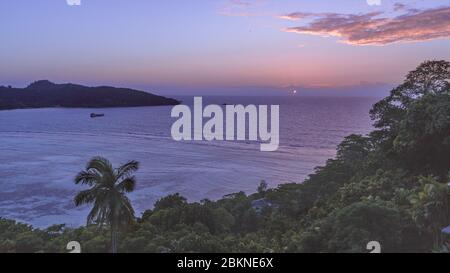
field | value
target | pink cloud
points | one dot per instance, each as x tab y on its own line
373	29
296	16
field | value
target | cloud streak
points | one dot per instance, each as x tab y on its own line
240	8
399	6
295	16
374	29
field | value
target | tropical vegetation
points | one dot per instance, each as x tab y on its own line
389	186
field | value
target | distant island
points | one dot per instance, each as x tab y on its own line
45	94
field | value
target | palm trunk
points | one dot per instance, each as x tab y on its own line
113	238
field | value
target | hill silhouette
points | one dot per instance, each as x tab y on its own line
44	94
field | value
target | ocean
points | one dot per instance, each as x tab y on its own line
42	150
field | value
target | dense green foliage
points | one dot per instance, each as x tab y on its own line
389	186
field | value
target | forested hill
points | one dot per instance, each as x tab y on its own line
43	94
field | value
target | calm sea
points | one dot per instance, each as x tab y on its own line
43	149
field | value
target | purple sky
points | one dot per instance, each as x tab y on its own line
221	46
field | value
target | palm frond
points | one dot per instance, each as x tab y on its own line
127	185
85	197
100	213
126	169
126	211
102	166
89	177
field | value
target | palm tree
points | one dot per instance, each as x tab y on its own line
107	193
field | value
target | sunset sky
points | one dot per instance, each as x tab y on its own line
219	45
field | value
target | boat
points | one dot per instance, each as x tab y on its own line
94	115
